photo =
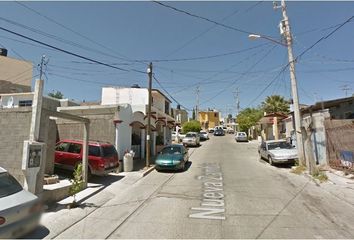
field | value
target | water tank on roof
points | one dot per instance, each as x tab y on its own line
135	86
3	52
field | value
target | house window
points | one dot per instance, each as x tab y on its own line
167	107
25	103
215	115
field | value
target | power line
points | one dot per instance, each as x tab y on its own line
203	18
244	74
69	29
210	28
268	85
62	50
71	43
158	82
324	37
205	57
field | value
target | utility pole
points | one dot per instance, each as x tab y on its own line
197	106
41	66
285	29
345	88
237	100
148	136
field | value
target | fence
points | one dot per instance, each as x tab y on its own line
340	143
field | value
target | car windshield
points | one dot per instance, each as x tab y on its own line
190	135
108	151
242	134
8	185
202	132
279	145
171	150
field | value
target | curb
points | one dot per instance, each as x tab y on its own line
147	171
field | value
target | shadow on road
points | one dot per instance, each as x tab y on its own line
39	233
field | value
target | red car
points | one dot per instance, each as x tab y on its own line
102	157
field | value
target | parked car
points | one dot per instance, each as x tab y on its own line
219	132
203	135
278	151
20	210
211	130
241	137
191	139
230	131
172	157
102	156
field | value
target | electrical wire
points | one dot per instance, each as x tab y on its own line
243	75
71	30
158	82
205	57
324	37
203	18
62	50
210	28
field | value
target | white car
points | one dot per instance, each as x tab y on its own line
203	135
278	151
241	137
20	210
191	139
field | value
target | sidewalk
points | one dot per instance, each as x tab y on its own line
58	218
340	185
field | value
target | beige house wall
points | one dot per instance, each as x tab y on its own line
15	75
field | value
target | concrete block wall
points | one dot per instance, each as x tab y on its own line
14	129
101	128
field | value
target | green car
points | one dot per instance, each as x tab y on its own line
172	157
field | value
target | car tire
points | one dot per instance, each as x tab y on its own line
270	160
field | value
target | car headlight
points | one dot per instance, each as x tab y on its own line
176	161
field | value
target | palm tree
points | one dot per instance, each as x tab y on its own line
275	104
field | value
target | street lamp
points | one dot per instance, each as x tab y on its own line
285	30
256	36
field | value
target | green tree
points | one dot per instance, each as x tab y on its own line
192	126
193	114
275	104
248	118
56	94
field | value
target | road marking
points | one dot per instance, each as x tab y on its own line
212	205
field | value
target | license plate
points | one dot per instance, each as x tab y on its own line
111	164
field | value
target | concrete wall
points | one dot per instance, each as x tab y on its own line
132	96
15	128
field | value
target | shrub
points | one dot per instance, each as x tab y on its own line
192	126
76	184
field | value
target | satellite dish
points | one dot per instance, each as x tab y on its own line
10	102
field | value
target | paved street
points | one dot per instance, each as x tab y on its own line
227	192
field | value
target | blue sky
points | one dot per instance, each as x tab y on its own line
125	33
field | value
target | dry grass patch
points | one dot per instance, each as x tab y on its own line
298	169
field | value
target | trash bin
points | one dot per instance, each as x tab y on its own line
128	161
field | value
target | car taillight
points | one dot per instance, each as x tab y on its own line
36	208
2	220
101	164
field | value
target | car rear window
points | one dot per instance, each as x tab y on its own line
108	151
8	185
171	150
94	151
190	135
